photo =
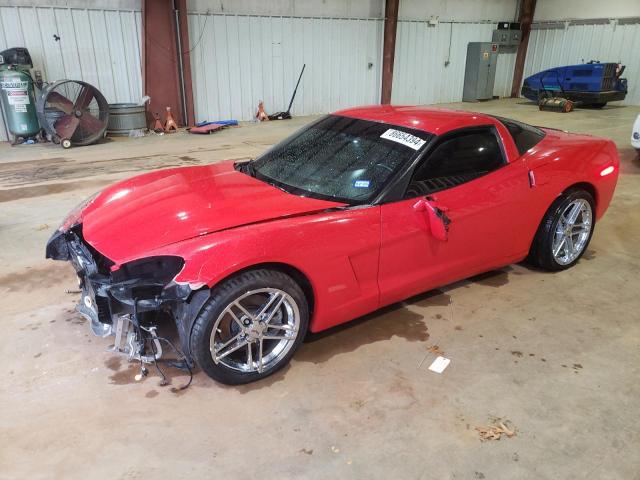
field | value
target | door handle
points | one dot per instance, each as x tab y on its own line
437	220
440	210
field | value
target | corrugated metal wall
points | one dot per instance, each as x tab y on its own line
420	75
576	44
237	60
504	74
101	47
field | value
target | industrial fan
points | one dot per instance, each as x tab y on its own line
73	112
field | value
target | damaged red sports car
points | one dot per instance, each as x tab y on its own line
358	210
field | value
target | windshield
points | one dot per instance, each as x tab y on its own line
339	158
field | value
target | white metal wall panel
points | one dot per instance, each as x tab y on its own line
101	47
580	43
238	60
504	74
420	75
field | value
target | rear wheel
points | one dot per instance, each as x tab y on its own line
251	327
565	231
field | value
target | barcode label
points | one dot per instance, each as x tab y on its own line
404	138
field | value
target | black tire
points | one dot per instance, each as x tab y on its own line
222	296
541	253
599	105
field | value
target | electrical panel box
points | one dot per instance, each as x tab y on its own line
480	71
507	37
501	36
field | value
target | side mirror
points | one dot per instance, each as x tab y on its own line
437	220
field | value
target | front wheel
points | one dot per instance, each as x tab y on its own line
250	327
565	231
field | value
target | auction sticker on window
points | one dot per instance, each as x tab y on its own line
361	183
404	138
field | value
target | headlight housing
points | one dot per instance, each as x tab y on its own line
159	269
147	283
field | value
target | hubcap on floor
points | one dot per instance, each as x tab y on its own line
255	331
572	231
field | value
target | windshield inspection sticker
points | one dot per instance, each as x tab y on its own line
361	183
405	139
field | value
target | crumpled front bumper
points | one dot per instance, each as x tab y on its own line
106	297
94	284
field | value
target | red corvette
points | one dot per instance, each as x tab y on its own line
360	209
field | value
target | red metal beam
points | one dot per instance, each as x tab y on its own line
527	11
389	48
160	66
186	60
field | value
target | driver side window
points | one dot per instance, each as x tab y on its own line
456	160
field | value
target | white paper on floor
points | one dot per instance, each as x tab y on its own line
439	364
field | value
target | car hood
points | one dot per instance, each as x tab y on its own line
136	216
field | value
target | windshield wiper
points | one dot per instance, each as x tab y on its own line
251	169
247	167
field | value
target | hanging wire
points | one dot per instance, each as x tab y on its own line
204	27
448	60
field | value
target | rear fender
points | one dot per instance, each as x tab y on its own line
564	160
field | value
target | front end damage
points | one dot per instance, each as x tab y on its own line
132	300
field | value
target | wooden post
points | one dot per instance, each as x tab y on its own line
389	48
527	10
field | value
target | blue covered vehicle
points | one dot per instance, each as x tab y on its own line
591	83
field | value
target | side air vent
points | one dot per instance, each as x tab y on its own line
426	187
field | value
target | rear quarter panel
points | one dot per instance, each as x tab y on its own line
562	160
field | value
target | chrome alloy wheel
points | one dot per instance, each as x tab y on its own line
572	231
255	331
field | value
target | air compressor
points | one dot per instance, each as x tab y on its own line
17	93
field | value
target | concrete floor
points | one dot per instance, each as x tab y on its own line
555	355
